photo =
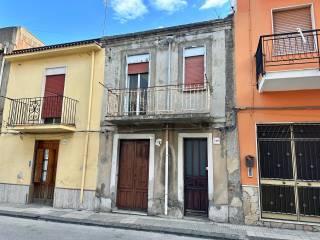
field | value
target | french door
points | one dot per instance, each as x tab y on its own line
53	98
137	99
289	159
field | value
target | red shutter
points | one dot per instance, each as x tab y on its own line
52	104
194	71
137	68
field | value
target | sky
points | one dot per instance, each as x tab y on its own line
59	21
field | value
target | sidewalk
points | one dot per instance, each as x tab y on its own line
188	227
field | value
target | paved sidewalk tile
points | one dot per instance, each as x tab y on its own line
192	227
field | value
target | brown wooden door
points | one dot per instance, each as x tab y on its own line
45	171
132	191
195	176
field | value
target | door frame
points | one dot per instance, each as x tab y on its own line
115	165
33	165
181	137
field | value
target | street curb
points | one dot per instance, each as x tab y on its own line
137	227
19	214
125	226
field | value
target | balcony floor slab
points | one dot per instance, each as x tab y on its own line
292	80
54	128
163	118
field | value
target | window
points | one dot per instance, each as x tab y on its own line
291	21
138	82
194	67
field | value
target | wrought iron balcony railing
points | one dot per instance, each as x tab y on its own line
159	100
293	48
42	110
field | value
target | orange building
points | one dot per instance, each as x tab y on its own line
278	103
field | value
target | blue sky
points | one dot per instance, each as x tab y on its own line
58	21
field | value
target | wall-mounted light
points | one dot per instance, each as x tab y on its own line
158	142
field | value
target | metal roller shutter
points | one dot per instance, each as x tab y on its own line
289	20
194	71
136	68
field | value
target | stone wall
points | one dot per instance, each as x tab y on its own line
251	210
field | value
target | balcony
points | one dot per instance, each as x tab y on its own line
169	103
289	61
42	114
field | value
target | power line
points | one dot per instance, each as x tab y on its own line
106	2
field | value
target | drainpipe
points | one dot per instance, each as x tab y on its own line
166	173
166	188
2	63
86	146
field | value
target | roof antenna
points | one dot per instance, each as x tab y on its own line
232	7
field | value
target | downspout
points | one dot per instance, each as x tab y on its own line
166	173
86	146
2	64
166	188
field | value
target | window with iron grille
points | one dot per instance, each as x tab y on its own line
289	163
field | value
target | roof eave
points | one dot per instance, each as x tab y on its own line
53	52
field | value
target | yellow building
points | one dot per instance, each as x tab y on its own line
49	140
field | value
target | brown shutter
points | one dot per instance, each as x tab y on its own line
38	166
51	166
54	89
289	20
137	68
194	71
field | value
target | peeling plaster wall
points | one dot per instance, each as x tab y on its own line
226	205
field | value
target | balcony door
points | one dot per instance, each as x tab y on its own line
136	95
287	25
53	98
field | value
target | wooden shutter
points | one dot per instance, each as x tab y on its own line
194	71
136	68
38	166
51	166
54	89
289	20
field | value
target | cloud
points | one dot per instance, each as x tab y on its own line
126	10
169	5
213	3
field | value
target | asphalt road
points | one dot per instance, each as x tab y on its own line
25	229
